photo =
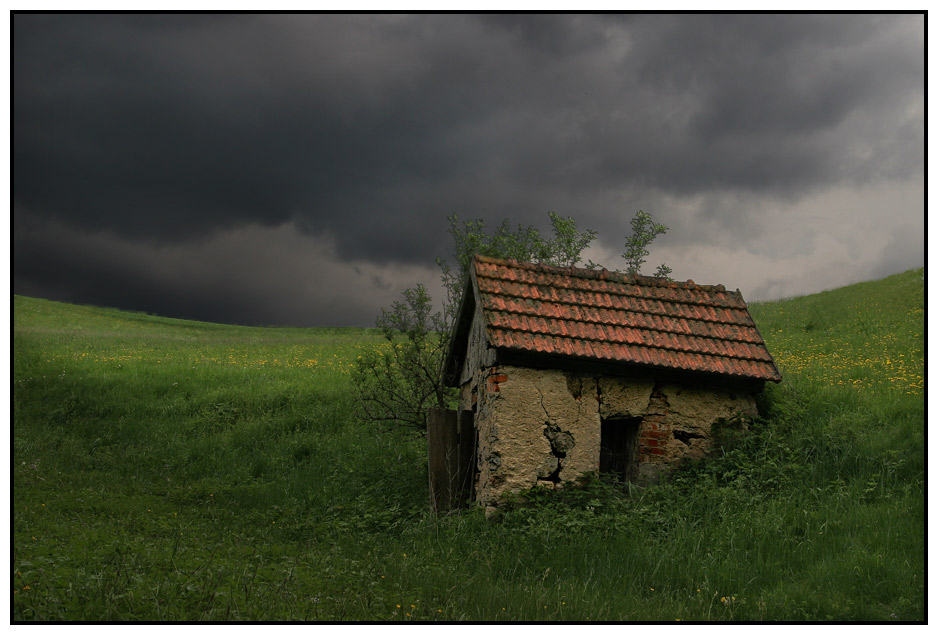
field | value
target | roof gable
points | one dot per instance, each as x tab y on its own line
615	317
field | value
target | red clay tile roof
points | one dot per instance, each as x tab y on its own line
598	314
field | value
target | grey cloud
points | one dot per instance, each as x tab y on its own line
368	130
249	275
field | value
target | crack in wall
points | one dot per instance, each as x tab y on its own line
561	442
543	407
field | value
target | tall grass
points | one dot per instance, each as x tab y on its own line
172	470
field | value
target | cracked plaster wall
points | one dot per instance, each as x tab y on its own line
542	427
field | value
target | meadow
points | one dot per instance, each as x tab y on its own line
173	470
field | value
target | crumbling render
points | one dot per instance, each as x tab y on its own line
543	427
560	443
684	437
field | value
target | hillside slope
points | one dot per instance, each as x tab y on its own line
867	334
172	470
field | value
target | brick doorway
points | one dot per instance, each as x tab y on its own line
618	448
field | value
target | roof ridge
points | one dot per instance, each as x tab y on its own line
624	294
602	274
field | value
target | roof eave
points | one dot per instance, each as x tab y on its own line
535	359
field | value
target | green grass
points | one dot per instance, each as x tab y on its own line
174	470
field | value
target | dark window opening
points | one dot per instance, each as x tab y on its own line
618	447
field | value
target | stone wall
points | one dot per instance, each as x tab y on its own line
542	427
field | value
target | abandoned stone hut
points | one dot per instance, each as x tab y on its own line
570	371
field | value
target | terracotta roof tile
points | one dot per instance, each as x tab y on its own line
611	316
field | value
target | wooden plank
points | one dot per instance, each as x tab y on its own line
442	458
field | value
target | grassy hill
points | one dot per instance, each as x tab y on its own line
174	470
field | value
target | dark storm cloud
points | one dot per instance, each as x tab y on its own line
366	131
251	275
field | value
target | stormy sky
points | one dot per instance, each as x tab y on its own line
300	169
